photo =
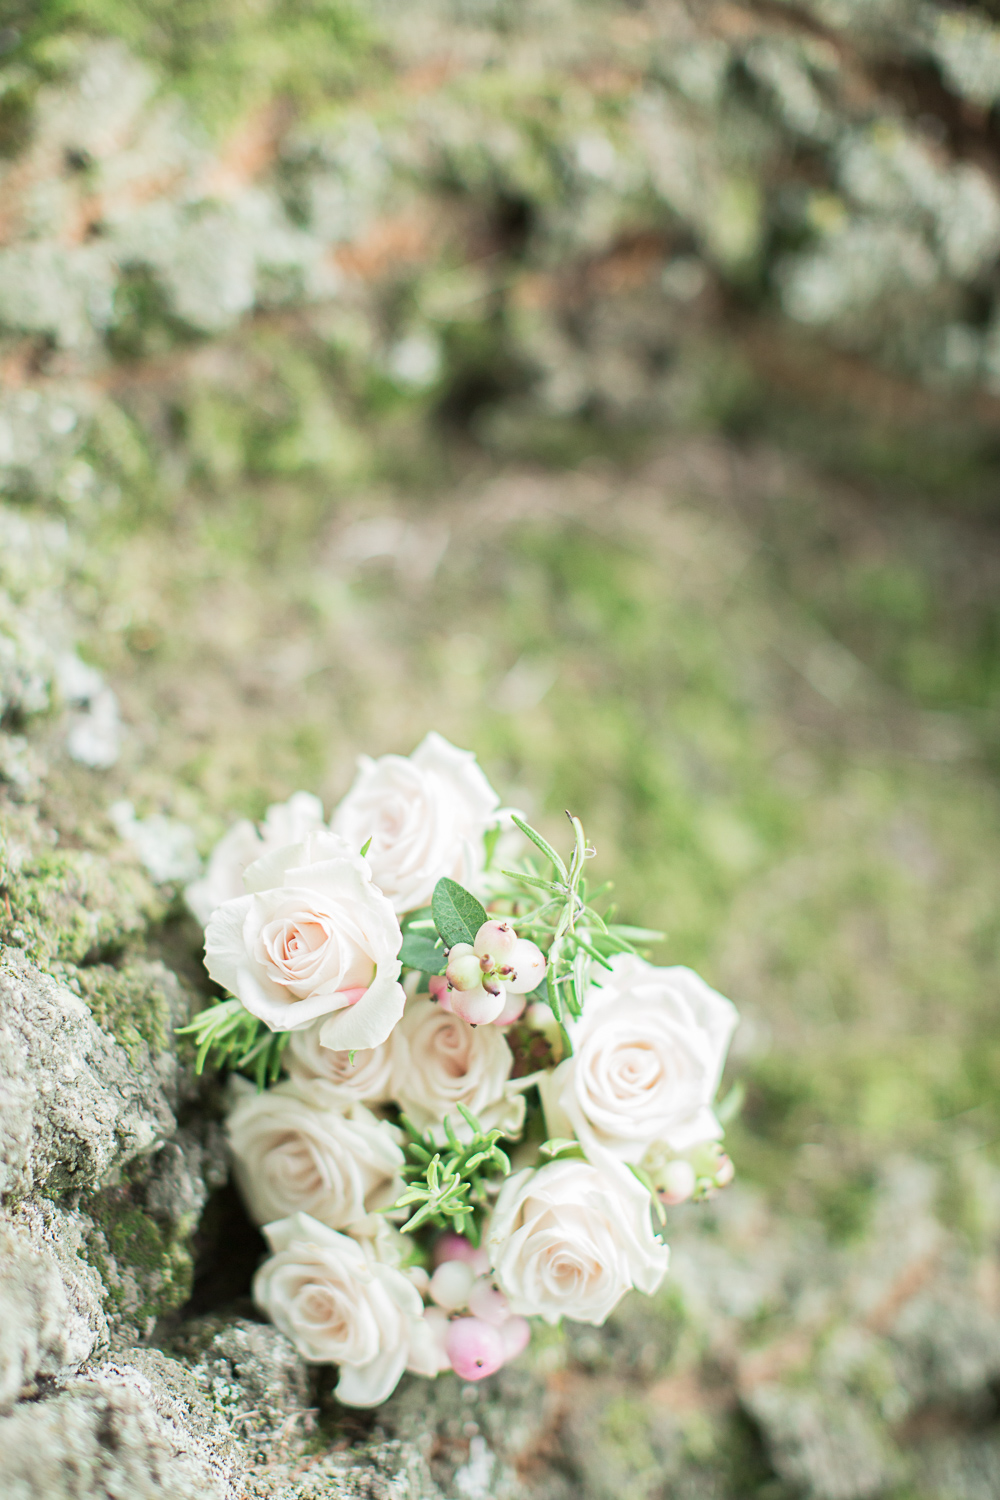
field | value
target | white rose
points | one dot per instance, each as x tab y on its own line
425	816
284	823
313	937
364	1075
648	1054
443	1061
296	1146
569	1240
338	1304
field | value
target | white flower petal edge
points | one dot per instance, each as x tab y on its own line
338	1304
284	823
648	1053
314	937
569	1239
425	814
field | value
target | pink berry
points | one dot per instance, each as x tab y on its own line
439	990
513	1009
479	1007
484	1301
677	1181
495	940
453	1246
515	1333
474	1348
527	967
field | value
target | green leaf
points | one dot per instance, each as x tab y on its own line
366	845
420	952
458	916
532	880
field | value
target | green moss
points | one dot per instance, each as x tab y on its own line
72	906
133	1003
147	1271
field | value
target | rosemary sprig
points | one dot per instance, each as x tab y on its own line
447	1187
233	1038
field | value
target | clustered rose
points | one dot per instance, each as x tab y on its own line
303	928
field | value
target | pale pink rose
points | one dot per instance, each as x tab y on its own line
569	1240
364	1075
442	1061
284	823
314	937
340	1305
648	1054
426	816
297	1147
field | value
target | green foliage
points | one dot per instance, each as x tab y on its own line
561	918
233	1038
422	952
458	916
449	1189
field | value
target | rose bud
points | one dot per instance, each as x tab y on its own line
496	941
525	969
474	1348
513	1008
479	1006
463	971
515	1332
451	1284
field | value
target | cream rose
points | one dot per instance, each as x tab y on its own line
315	937
284	823
569	1240
296	1147
338	1304
365	1075
648	1054
442	1061
425	815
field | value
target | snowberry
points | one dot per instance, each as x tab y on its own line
463	971
513	1008
524	970
484	1301
479	1006
676	1181
451	1284
474	1348
496	941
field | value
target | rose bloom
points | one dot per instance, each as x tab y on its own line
314	937
569	1240
284	823
443	1061
425	815
648	1053
339	1304
367	1077
296	1146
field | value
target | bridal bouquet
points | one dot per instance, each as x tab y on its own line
472	1094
